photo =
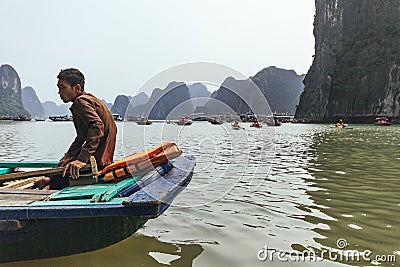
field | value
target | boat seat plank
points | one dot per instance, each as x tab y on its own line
18	197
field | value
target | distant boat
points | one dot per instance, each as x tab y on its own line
342	126
22	118
61	118
256	124
273	121
184	121
201	118
382	121
216	121
39	119
144	121
117	117
6	118
236	126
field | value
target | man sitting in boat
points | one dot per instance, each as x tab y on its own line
94	124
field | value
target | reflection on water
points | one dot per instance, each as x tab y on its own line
138	250
355	175
285	188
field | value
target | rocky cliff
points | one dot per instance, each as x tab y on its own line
356	68
10	93
31	103
121	103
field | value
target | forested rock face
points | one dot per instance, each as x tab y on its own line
356	69
10	93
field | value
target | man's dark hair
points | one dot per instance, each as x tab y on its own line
73	77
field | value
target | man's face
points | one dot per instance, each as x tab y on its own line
67	92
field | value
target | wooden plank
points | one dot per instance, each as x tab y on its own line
46	172
28	164
28	174
21	197
17	184
27	192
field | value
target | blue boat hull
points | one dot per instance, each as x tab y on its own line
53	238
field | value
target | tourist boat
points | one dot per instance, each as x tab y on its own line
216	121
6	118
236	126
61	118
201	118
273	121
22	118
382	121
341	126
144	121
184	121
256	124
50	223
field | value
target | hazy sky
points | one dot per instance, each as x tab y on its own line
119	45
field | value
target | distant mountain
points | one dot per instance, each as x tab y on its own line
31	103
109	105
11	93
139	99
280	88
171	102
199	94
51	109
237	96
121	103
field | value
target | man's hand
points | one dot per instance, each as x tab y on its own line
64	160
74	168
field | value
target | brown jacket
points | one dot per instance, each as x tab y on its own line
95	128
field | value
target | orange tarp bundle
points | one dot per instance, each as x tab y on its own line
141	162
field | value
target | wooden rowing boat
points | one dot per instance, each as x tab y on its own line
49	223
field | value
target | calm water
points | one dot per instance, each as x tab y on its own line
289	189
